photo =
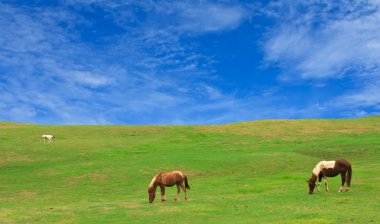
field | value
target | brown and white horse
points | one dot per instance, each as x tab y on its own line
330	169
167	179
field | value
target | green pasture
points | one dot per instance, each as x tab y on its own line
249	172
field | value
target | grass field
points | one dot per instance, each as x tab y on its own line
250	172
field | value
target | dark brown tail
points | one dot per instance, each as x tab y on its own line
186	182
349	175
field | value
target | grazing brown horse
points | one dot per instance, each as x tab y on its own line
330	169
167	179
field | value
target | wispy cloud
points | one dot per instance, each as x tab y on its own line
317	45
53	71
103	61
199	18
363	95
326	40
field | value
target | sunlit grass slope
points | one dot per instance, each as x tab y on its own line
251	172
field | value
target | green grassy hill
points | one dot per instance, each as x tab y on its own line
250	172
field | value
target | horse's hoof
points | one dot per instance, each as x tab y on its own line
185	198
175	199
347	190
163	200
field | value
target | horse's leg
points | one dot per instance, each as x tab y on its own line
325	179
347	185
184	190
178	190
163	198
319	183
343	177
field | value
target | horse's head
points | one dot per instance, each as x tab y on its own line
312	185
152	194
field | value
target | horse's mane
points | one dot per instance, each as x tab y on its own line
153	180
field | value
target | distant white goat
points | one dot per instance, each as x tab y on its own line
49	138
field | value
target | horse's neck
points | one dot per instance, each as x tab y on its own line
154	186
313	178
155	181
317	169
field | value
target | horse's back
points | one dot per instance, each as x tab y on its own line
172	178
342	164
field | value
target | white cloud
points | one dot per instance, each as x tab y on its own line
88	78
368	95
147	73
324	42
207	17
314	46
23	112
143	73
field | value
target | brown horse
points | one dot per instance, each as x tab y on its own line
167	179
330	169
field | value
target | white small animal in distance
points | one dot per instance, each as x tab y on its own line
48	138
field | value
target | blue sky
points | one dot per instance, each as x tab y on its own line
187	62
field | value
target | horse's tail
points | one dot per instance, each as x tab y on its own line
349	175
186	182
